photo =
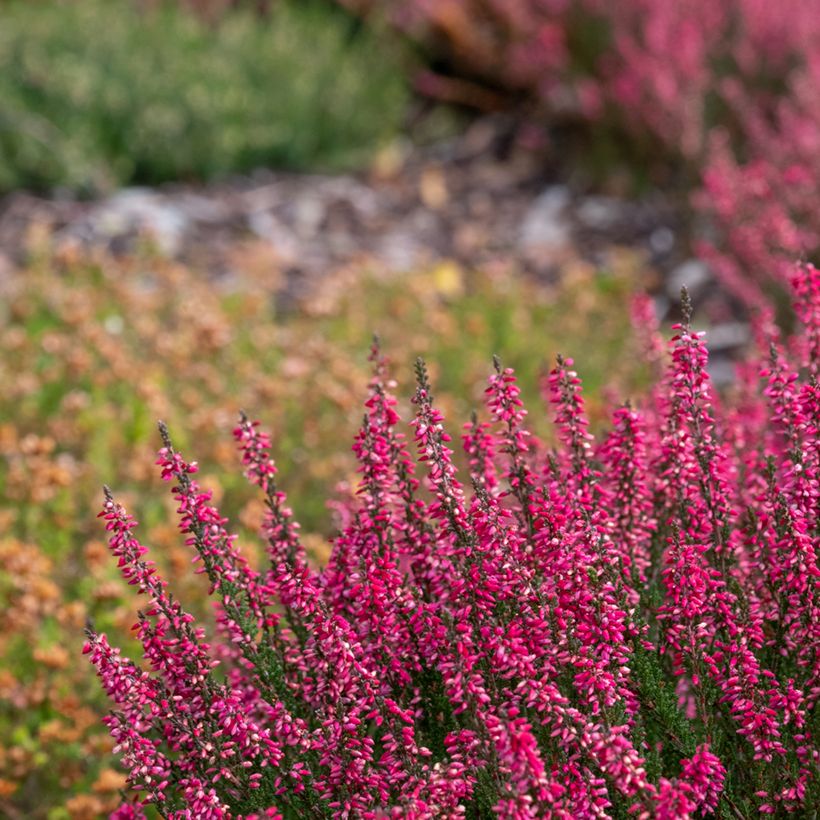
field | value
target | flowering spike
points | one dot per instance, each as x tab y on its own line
565	392
685	307
164	434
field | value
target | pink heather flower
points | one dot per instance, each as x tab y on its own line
565	393
806	286
625	625
242	612
627	492
128	811
702	777
695	792
694	467
480	447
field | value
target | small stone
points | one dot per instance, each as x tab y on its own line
727	336
662	240
545	225
721	371
600	213
693	274
133	211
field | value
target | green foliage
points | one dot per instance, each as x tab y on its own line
95	94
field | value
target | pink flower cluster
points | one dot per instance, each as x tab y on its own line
623	626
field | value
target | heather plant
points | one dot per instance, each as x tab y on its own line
716	98
76	329
670	71
620	625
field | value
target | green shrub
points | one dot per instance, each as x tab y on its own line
94	94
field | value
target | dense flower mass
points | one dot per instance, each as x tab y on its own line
623	626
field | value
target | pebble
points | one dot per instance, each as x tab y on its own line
545	225
692	274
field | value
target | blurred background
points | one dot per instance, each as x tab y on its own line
208	205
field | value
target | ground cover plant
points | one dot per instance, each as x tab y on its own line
617	626
159	94
96	349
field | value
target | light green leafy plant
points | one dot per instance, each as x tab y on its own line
96	94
